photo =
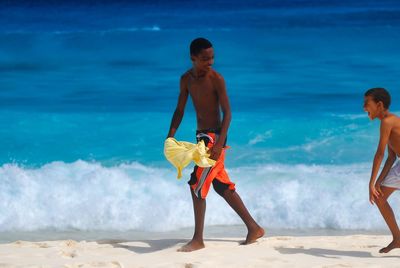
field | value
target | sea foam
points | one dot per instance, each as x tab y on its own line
89	196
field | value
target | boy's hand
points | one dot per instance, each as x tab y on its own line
215	151
378	188
374	193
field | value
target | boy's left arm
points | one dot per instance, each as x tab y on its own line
380	153
386	168
226	118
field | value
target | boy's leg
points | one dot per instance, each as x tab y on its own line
236	203
389	217
199	208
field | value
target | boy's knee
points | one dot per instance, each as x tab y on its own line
220	188
381	200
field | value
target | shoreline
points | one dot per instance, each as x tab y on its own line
220	231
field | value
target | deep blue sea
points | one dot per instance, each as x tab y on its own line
88	88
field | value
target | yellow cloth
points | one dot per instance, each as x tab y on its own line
180	153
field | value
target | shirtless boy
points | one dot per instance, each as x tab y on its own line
207	89
376	103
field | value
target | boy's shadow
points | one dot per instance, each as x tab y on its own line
329	253
149	246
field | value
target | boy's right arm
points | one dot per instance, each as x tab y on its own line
180	107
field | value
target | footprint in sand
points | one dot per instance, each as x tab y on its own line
68	249
367	246
113	264
336	266
20	243
283	238
42	245
68	254
69	243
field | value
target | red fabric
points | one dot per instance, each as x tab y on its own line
217	172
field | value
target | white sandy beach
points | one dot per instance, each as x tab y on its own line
277	251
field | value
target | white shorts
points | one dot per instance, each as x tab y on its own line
392	179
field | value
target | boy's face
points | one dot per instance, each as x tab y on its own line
204	60
372	108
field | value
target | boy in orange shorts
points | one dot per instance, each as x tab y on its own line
207	89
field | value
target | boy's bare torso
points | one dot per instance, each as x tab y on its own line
394	137
204	94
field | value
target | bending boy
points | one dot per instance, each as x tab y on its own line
376	103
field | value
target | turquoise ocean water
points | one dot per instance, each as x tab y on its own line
87	91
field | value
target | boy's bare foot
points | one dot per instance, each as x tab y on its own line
253	235
191	246
394	244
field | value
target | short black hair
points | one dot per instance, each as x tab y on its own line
198	45
379	94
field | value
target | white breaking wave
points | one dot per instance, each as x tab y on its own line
260	137
89	196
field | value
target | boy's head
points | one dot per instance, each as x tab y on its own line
202	54
376	101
